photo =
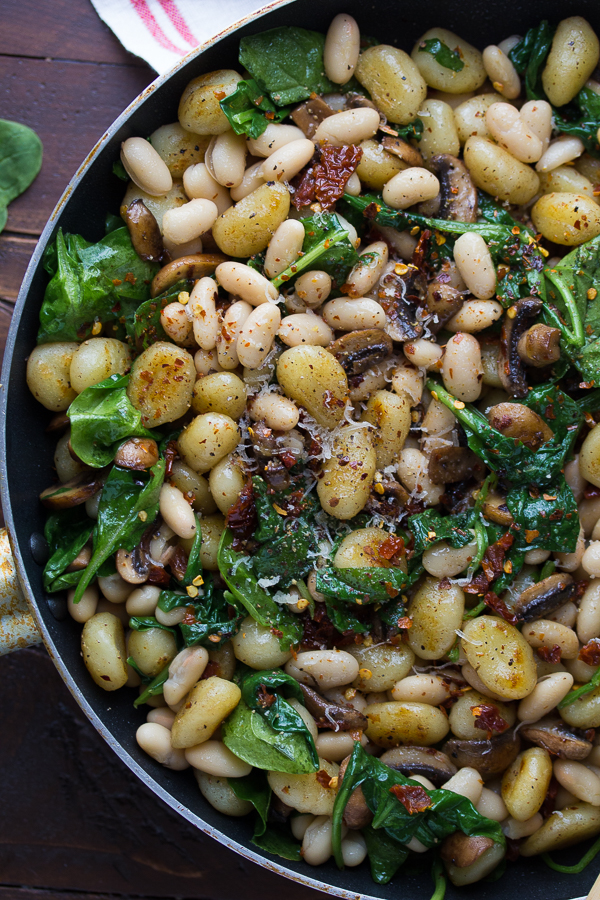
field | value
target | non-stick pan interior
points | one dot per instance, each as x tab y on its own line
27	451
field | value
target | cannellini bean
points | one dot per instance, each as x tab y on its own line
354	849
206	361
284	248
227	338
563	828
171	618
288	160
189	221
564	615
413	185
537	115
462	370
299	824
525	783
245	283
177	512
444	560
407	379
349	127
509	129
313	288
563	150
86	607
572	59
176	322
184	671
496	171
323	669
430	689
273	138
354	315
367	272
570	562
162	715
194	486
342	47
578	779
412	472
316	843
423	353
474	263
250	182
549	691
205	320
470	116
155	739
214	758
145	167
218	792
275	411
588	618
336	747
475	316
544	633
225	158
467	782
491	805
353	185
591	559
103	650
114	588
305	328
257	335
514	829
501	72
199	184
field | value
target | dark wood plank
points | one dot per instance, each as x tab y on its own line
70	105
15	252
80	821
63	29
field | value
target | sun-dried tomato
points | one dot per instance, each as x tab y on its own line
242	518
335	166
321	634
304	188
264	698
549	654
158	575
413	798
487	718
391	548
590	654
190	616
171	455
212	668
323	778
493	558
499	606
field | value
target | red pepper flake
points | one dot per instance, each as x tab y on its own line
147	376
487	718
288	459
276	632
499	606
405	622
550	654
130	278
171	455
265	699
413	797
117	282
242	518
190	616
323	778
531	535
590	654
330	401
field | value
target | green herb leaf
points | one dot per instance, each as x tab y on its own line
279	843
255	789
326	247
572	696
147	623
414	130
529	56
155	687
385	854
20	162
250	737
547	519
449	59
249	109
67	532
214	613
284	541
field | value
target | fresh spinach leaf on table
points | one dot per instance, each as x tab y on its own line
249	109
326	247
67	532
20	161
102	417
441	52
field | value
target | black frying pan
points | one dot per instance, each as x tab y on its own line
26	451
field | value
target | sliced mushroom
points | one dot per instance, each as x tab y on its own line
73	492
496	510
58	423
278	810
458	195
191	267
309	115
402	293
450	464
539	346
488	757
131	566
358	351
144	232
354	100
543	598
469	858
82	559
432	764
356	813
331	715
443	301
137	453
403	150
557	738
521	423
511	368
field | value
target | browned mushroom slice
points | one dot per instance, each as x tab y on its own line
521	423
432	764
82	559
73	492
461	850
402	149
557	738
132	567
539	346
458	194
402	293
309	115
58	423
331	715
496	510
137	453
488	757
356	812
443	301
191	267
354	100
543	598
144	232
511	368
450	464
359	351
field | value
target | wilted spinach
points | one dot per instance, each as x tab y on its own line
249	736
284	541
147	623
441	52
385	854
20	162
279	843
326	247
547	519
155	687
143	324
249	109
529	55
67	532
572	696
362	586
255	789
213	613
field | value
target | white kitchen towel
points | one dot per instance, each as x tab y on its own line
163	31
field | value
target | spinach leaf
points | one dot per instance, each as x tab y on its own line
259	693
581	118
385	854
155	687
249	110
102	417
287	63
118	169
546	520
511	248
128	505
449	59
67	532
279	843
91	283
251	738
245	588
342	618
326	247
255	789
447	812
143	325
529	55
193	570
20	162
429	527
362	586
212	614
146	623
284	541
413	130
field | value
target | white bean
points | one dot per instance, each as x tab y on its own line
354	849
245	283
549	691
206	361
537	115
412	185
257	335
114	588
407	379
184	671
145	167
423	353
278	413
462	370
189	221
443	560
501	72
474	263
86	607
544	633
354	315
323	669
349	127
491	805
205	320
286	162
508	128
225	158
284	248
588	618
162	715
570	562
316	843
367	272
313	288
171	618
177	512
353	185
467	782
475	315
422	689
227	339
305	328
299	824
563	150
342	46
412	472
199	184
578	779
176	322
250	182
273	138
591	559
214	758
514	829
336	747
155	739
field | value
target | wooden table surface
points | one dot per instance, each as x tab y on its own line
73	820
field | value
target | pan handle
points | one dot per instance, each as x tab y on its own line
17	625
